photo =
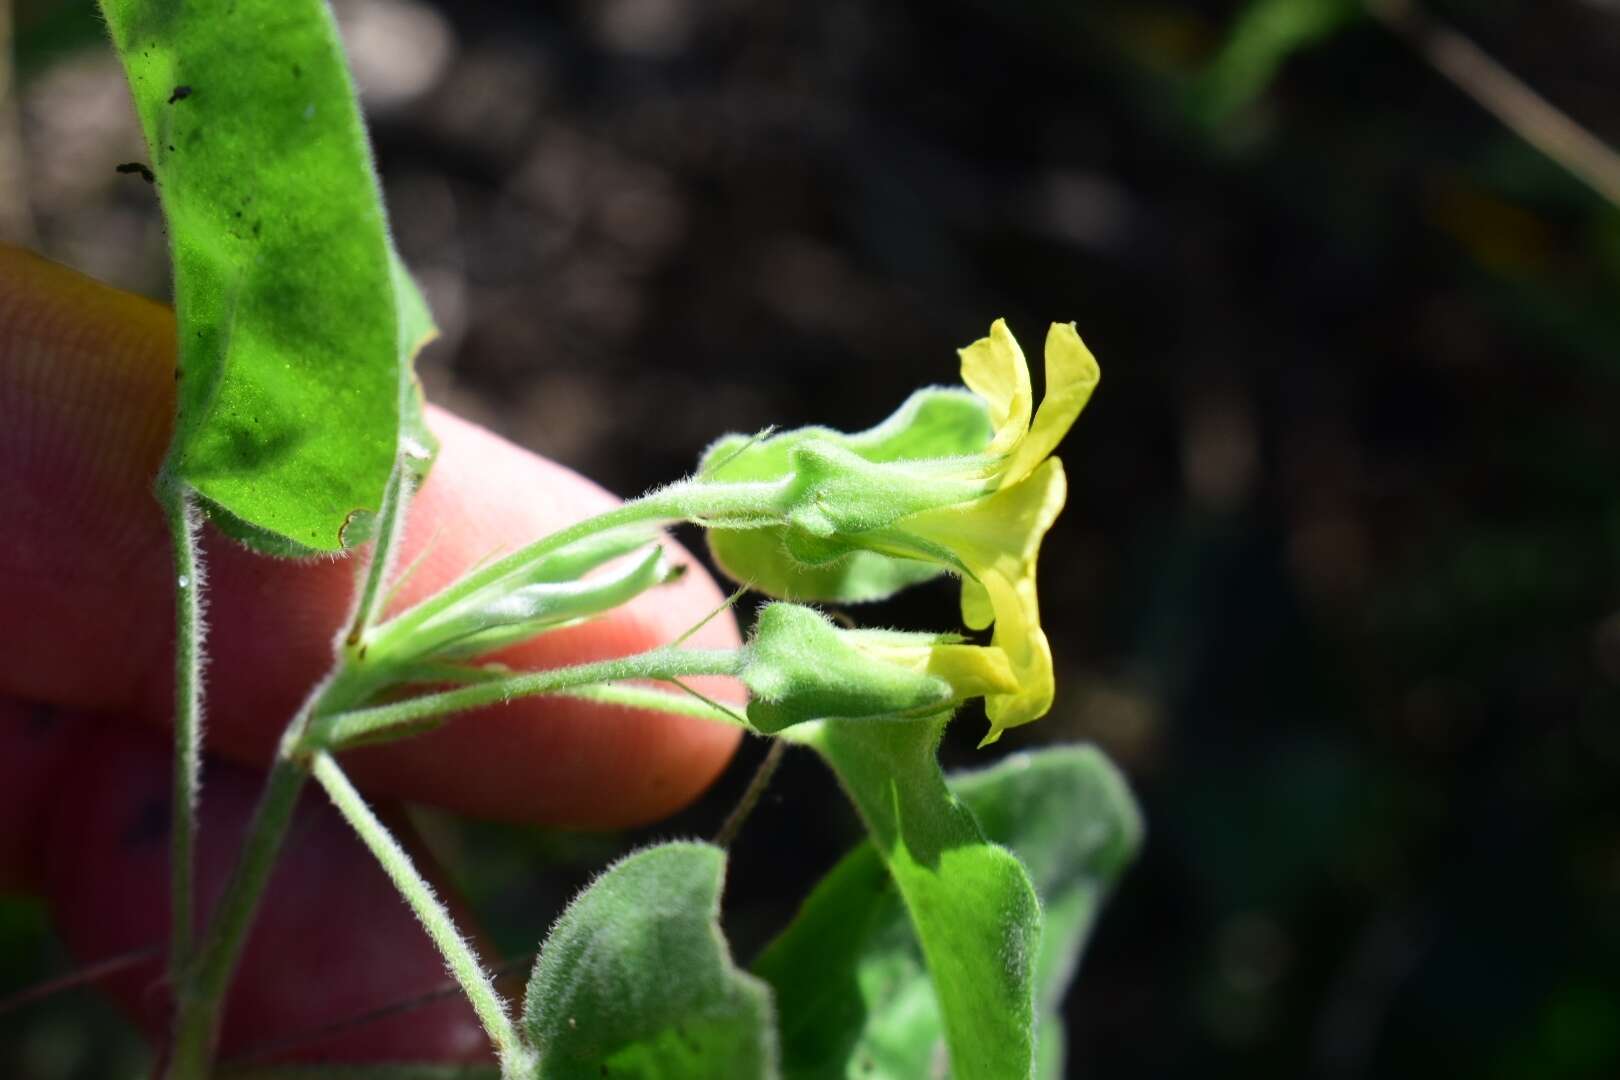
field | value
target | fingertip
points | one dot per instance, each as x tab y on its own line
331	945
87	383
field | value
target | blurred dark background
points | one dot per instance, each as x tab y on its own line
1339	580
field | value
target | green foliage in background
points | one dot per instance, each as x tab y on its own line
1262	39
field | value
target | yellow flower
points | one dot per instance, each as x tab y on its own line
953	482
997	538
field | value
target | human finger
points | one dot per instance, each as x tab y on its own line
86	382
84	806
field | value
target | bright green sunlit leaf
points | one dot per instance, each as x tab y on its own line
852	988
293	322
972	907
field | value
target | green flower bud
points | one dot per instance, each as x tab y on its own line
552	592
798	666
929	450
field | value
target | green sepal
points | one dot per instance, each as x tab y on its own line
836	493
933	427
551	592
759	559
798	666
935	422
635	979
575	560
534	609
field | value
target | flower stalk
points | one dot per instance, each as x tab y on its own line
346	728
181	516
516	1057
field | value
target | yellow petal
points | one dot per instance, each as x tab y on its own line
1018	633
1002	530
998	539
994	368
1071	375
973	670
977	611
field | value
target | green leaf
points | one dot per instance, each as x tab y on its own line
1265	35
1068	815
852	991
291	312
635	979
934	423
851	986
417	444
970	903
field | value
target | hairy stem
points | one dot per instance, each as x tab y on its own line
652	699
656	664
181	515
517	1059
363	666
751	796
203	992
390	527
201	985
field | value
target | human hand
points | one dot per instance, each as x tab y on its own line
86	689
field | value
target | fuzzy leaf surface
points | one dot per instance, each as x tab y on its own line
293	313
636	981
799	667
972	911
851	983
